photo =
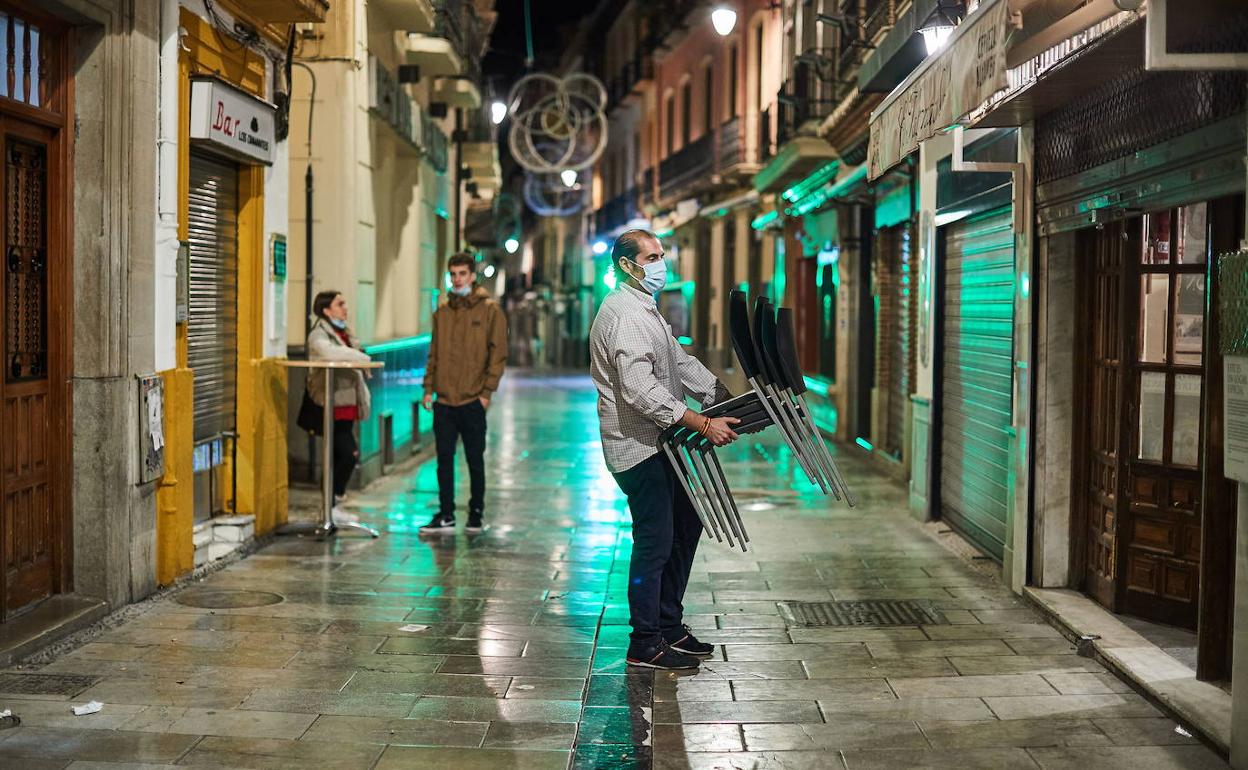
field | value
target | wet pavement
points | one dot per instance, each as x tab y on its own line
505	649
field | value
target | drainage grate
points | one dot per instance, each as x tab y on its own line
224	598
890	612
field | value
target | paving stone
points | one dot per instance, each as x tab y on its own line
163	692
1144	731
276	754
971	686
750	760
530	736
908	709
993	631
57	714
361	704
832	737
826	690
1024	664
399	732
199	721
1014	732
955	759
1129	758
546	688
758	652
696	738
693	712
1070	706
1057	646
40	743
1086	683
875	668
939	649
495	709
464	664
461	685
479	647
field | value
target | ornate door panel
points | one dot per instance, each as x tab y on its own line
1161	556
28	512
1102	252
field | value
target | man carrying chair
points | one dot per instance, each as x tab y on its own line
642	376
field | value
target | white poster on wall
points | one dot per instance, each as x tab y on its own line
1235	417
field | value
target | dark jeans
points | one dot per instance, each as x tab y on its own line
449	423
346	454
665	537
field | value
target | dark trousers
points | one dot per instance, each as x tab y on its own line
346	454
665	538
449	424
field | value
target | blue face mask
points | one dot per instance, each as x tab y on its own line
338	323
656	275
462	292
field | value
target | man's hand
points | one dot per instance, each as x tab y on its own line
720	432
427	402
485	401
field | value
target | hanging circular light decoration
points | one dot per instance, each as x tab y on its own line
548	196
558	124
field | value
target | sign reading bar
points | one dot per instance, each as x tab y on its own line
952	83
232	121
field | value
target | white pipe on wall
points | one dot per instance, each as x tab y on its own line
166	257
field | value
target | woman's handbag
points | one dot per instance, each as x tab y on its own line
311	415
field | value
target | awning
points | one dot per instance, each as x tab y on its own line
795	160
943	88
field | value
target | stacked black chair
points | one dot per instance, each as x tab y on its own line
767	353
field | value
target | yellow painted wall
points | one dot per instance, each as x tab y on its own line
261	449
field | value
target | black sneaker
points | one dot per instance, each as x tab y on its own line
440	524
474	524
663	657
683	640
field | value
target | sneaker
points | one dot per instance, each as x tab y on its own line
683	640
474	524
344	517
440	524
664	657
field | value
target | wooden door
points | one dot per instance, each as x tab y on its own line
1161	532
35	304
1103	256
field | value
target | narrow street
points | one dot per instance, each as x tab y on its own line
515	657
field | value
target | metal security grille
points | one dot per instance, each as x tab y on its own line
212	319
891	612
26	261
977	380
1138	109
893	342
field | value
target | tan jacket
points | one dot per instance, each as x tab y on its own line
468	350
324	344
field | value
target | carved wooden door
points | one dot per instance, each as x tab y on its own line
1103	255
35	306
30	524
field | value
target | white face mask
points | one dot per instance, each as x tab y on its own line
656	275
461	291
338	323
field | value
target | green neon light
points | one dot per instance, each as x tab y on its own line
402	343
442	212
744	286
818	196
816	385
862	442
685	340
817	178
721	212
762	220
780	280
665	233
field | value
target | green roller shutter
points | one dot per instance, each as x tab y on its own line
977	380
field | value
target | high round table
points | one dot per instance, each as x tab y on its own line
326	526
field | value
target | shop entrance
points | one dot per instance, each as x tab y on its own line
212	327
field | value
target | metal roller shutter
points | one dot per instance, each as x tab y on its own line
212	320
977	380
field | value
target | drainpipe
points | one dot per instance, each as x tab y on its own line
167	245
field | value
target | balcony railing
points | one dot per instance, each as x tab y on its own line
801	99
694	160
647	187
616	212
435	144
766	147
733	148
457	21
629	79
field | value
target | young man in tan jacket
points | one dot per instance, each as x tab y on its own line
466	358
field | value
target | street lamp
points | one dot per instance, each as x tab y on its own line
498	111
568	176
935	37
512	245
600	247
724	19
489	271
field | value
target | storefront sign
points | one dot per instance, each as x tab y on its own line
1235	417
946	87
232	121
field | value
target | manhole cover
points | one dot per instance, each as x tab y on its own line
225	599
862	613
45	684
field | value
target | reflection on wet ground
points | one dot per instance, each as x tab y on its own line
505	649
